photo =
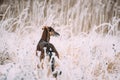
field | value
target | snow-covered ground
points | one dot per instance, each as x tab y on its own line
85	54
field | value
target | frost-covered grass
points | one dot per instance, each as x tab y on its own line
89	44
83	57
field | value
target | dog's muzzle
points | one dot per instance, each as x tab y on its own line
56	34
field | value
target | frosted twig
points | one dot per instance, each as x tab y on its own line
5	13
104	24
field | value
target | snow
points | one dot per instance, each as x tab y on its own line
81	57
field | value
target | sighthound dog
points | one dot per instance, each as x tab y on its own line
50	49
44	41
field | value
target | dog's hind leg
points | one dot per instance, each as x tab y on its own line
52	64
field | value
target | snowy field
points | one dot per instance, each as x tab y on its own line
88	45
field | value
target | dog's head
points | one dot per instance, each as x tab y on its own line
51	31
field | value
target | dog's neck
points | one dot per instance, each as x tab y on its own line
45	36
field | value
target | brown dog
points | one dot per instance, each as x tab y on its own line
44	41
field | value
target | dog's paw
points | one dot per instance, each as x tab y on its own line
57	73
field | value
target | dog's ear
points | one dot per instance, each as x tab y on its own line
50	29
44	27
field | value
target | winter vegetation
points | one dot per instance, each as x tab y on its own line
88	45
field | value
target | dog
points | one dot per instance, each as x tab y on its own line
44	41
50	49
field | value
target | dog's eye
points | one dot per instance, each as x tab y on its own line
49	29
